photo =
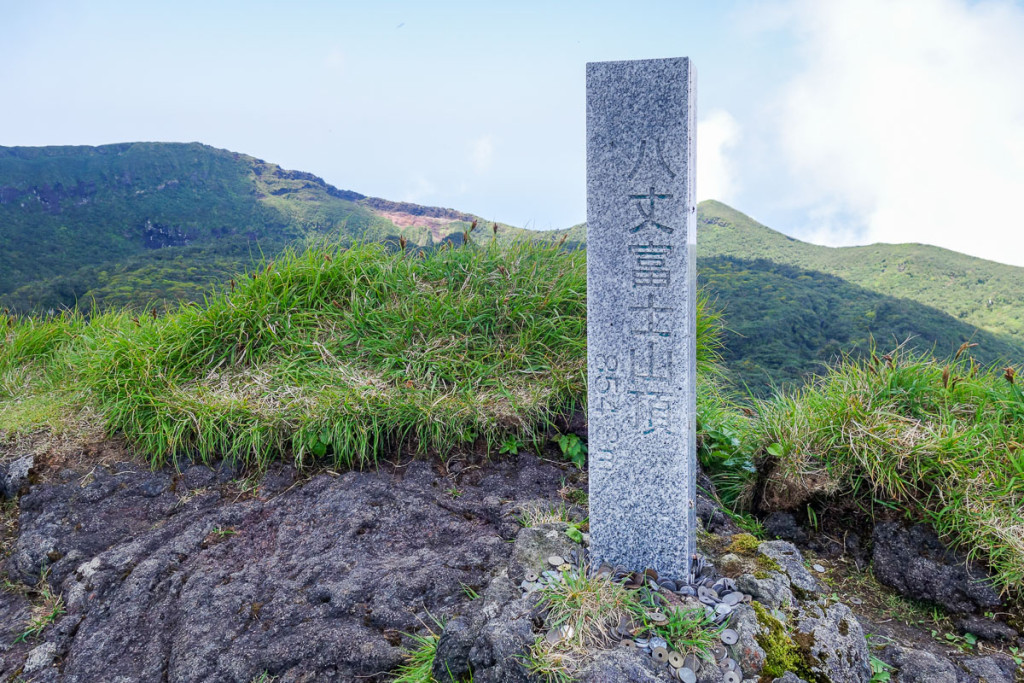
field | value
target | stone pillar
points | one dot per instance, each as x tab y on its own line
641	314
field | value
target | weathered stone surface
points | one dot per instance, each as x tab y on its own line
451	659
834	642
991	669
789	677
497	652
534	545
317	582
623	664
789	559
40	657
915	563
491	640
918	666
989	629
14	476
772	590
641	249
783	525
747	651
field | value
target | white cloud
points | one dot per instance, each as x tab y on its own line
716	135
905	122
421	191
482	153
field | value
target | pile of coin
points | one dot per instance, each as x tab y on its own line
719	598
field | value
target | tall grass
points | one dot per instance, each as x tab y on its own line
348	353
942	440
343	353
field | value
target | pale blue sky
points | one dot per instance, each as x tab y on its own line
839	122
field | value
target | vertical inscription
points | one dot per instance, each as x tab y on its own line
640	319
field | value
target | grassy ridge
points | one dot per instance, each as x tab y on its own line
339	354
982	293
785	323
942	441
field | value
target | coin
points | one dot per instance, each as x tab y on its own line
707	594
531	577
733	598
731	677
856	601
659	642
729	636
686	675
658	618
730	664
818	568
553	636
659	654
675	659
723	609
564	567
555	560
627	642
719	652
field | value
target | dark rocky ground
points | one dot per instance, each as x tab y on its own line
205	575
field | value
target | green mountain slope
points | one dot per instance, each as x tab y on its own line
783	322
983	293
118	223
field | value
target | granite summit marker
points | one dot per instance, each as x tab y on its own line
641	313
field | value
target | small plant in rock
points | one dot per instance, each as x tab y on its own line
223	532
880	671
573	449
468	590
965	642
46	610
510	445
533	515
319	443
583	611
688	631
575	531
574	495
420	659
264	677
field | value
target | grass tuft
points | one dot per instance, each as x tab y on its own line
586	610
942	441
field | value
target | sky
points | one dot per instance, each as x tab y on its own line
838	122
